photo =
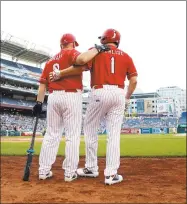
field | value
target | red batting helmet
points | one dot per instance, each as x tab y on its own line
110	36
68	38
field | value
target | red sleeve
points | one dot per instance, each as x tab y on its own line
131	69
44	75
73	55
90	63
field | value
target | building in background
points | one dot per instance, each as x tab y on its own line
143	103
169	106
154	104
176	93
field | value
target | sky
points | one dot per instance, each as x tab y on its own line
152	33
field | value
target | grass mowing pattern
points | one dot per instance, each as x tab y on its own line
131	145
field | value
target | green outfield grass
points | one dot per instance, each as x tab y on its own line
131	145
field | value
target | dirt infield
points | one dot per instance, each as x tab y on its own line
147	180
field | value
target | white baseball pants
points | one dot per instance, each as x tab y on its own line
108	102
64	110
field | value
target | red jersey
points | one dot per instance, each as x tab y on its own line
65	58
111	67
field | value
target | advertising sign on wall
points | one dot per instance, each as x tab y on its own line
162	106
173	130
30	134
145	130
148	106
130	131
125	131
159	130
165	106
140	105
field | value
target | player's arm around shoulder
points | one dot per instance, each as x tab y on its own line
79	63
70	71
85	57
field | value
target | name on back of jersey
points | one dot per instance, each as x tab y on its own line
115	52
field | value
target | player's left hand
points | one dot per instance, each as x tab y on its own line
102	48
55	75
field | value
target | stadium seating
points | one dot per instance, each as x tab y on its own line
21	73
22	123
20	66
182	119
19	102
172	122
20	78
25	123
131	123
149	122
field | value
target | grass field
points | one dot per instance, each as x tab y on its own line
131	145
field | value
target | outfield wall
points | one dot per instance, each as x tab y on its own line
123	131
147	130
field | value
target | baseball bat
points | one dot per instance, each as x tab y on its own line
30	153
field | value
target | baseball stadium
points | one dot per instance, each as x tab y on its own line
152	147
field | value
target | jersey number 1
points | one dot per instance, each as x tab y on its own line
112	65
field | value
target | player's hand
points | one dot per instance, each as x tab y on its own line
37	109
55	75
102	48
127	104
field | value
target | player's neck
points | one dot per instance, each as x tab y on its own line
112	44
67	48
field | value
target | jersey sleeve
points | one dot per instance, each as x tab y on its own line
89	64
73	55
131	71
44	75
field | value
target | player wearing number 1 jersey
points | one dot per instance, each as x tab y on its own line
64	109
107	100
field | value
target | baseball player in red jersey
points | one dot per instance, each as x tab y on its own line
64	108
107	100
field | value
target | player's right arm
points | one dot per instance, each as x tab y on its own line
85	57
37	109
132	77
43	83
78	60
41	92
70	71
131	87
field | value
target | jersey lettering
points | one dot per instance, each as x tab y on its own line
112	65
56	66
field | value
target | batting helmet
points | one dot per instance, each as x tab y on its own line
68	38
110	36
